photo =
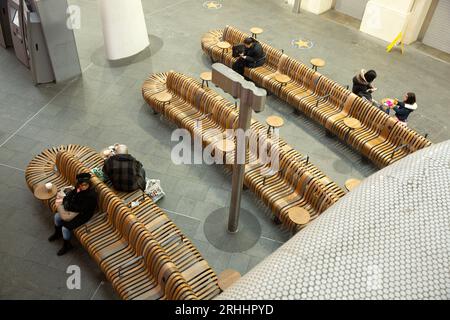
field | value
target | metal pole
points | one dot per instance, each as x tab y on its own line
297	5
252	98
245	116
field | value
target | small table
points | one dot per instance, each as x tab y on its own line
283	80
317	62
255	31
41	192
227	278
224	45
206	77
387	104
352	124
299	216
274	122
351	184
163	97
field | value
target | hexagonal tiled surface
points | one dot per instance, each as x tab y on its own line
387	239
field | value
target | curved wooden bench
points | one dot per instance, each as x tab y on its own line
141	258
324	101
297	183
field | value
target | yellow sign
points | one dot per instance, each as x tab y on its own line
397	39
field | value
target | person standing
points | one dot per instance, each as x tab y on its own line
362	84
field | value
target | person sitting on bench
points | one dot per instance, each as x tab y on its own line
77	208
124	171
251	56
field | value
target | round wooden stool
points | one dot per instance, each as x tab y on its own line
274	122
206	77
42	193
299	216
255	31
164	98
317	63
351	124
224	45
227	278
351	184
283	80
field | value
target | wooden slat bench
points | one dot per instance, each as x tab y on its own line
140	250
297	183
324	101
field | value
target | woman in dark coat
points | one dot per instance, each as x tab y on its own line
362	84
252	57
405	107
77	208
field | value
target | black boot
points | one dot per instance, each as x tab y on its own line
66	247
56	235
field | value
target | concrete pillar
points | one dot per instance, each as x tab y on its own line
416	20
314	6
124	28
385	19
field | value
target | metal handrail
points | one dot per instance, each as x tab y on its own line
321	98
203	117
305	157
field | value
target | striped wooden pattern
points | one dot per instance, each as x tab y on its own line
140	250
324	101
297	183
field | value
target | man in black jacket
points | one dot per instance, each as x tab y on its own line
124	171
77	208
252	57
362	84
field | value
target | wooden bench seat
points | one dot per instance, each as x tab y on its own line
322	100
280	191
142	261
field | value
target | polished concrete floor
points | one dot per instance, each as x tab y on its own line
105	106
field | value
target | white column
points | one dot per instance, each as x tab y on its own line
124	29
385	19
416	20
314	6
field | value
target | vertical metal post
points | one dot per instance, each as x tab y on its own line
251	98
245	116
297	5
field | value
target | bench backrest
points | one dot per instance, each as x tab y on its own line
157	260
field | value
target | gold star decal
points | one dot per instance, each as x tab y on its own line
302	44
212	5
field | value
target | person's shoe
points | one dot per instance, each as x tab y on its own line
56	235
67	246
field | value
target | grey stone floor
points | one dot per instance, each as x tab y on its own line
105	106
